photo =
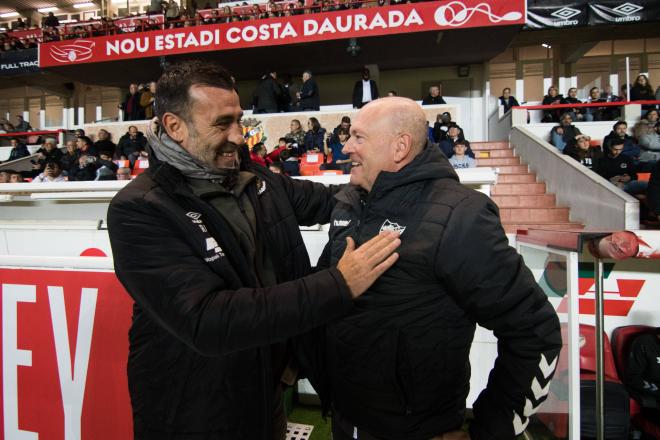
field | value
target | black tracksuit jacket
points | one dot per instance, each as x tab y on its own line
199	365
397	366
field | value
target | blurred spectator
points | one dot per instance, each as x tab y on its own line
454	135
608	94
624	93
506	100
47	153
314	137
52	173
290	97
345	124
552	98
4	176
340	161
51	21
22	125
296	137
258	154
434	96
106	168
7	128
86	146
583	153
103	144
131	144
18	150
267	95
649	141
619	169
171	11
643	374
565	133
594	113
309	93
147	100
365	90
15	177
576	113
78	132
70	157
123	174
441	126
652	117
131	105
642	91
19	24
459	159
290	165
618	134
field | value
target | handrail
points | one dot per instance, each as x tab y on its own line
585	104
31	133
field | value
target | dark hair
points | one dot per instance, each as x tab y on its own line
342	131
617	123
647	86
53	163
284	155
506	88
86	140
461	142
345	119
258	147
316	125
174	85
592	89
616	142
281	139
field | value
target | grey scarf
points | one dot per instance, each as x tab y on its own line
167	150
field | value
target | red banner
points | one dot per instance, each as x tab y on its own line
64	353
365	22
26	33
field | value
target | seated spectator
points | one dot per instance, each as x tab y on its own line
47	153
582	152
649	142
552	98
565	133
52	173
275	167
86	146
22	125
290	164
594	113
441	126
15	176
454	135
315	136
345	124
618	134
104	145
258	154
78	132
70	157
652	117
619	169
642	91
131	144
507	101
643	374
18	150
434	96
123	174
340	161
576	113
459	159
296	137
106	169
623	95
274	156
4	176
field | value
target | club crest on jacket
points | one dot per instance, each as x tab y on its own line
391	226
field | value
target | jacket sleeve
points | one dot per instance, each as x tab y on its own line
646	391
488	279
312	202
179	291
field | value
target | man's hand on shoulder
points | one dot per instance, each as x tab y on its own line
362	266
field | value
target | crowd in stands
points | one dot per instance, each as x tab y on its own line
21	126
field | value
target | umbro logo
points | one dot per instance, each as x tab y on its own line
391	226
341	223
194	215
627	9
565	13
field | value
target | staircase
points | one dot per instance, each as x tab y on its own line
524	203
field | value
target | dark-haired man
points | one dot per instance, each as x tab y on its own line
619	134
209	247
365	90
397	366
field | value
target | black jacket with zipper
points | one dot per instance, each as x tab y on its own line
200	363
397	366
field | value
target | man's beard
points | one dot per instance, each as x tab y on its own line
206	156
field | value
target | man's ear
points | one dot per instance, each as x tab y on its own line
175	127
402	147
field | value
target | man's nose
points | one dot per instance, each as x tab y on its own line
236	135
348	147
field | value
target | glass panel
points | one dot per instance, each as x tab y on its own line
550	272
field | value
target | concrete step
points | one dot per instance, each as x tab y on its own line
512	169
498	161
526	201
516	178
536	215
489	146
487	154
512	228
517	189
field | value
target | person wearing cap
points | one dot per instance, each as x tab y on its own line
365	90
581	151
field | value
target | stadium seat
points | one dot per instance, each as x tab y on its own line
622	338
310	164
139	167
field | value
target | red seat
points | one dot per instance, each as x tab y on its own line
588	354
622	339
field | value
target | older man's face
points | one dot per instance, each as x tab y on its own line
435	91
102	135
369	146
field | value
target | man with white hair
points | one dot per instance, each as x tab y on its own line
397	366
